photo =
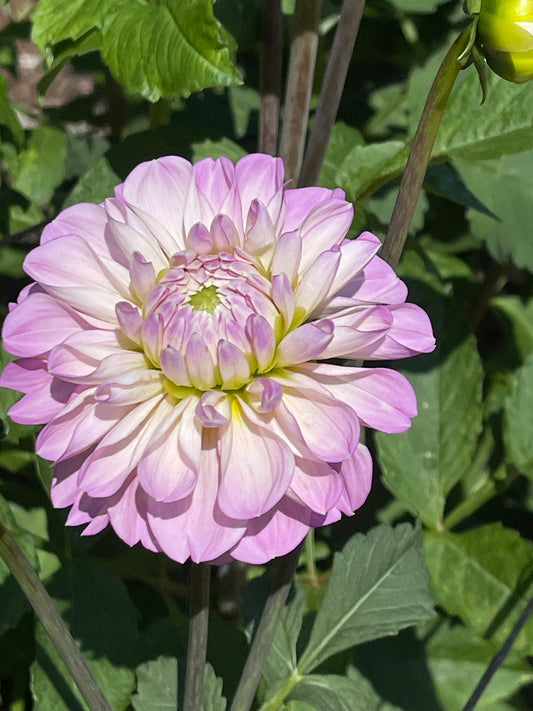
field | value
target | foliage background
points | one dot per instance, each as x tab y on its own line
70	131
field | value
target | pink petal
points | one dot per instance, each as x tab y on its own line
173	366
25	374
127	515
263	394
359	333
259	177
316	282
260	237
316	484
382	398
81	353
262	340
200	366
38	324
259	470
357	475
410	333
287	255
356	255
325	226
84	220
233	366
305	342
225	236
283	297
300	201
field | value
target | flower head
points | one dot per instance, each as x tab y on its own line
174	346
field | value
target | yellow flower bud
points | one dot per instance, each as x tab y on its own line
505	31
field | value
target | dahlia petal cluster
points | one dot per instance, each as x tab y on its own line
176	344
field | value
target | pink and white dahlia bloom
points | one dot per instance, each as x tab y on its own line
174	345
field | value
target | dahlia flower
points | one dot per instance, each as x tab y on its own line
175	344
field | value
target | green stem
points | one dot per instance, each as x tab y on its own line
277	700
312	577
270	76
299	85
485	493
421	148
45	610
331	92
285	569
197	645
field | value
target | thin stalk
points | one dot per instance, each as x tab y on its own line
299	85
421	148
285	569
197	645
332	87
499	657
270	76
312	577
495	279
45	610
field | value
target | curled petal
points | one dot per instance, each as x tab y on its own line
264	394
213	409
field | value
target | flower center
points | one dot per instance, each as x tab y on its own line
205	300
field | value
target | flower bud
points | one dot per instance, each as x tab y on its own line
506	33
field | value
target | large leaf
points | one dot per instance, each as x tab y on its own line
486	577
328	692
422	465
505	186
170	48
103	620
157	685
377	587
282	660
213	699
518	411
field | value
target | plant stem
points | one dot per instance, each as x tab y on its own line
312	577
45	610
270	76
200	577
499	657
332	87
495	279
299	85
285	569
421	148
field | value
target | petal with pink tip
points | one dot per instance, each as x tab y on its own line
356	472
356	255
233	366
325	226
262	340
283	297
316	484
42	404
300	201
359	332
38	324
329	428
259	471
85	220
165	472
200	366
410	334
381	397
305	343
127	515
224	234
260	236
159	187
315	283
258	177
115	457
287	255
173	366
25	375
80	354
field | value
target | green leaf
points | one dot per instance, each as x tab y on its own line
370	165
504	186
213	699
501	126
444	181
424	6
457	659
485	576
520	317
518	419
217	149
422	465
342	140
157	685
40	167
7	116
97	184
282	660
329	692
103	620
378	586
170	48
13	602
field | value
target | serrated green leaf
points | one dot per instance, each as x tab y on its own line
329	692
504	186
213	699
377	587
102	618
422	465
7	116
518	419
170	48
485	576
370	165
157	685
282	660
40	167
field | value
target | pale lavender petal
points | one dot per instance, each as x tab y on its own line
82	353
316	484
325	226
130	387
259	471
130	321
85	220
283	297
224	234
377	284
262	340
357	476
200	239
316	282
42	404
356	255
213	409
306	342
300	201
174	367
260	237
359	334
259	177
25	375
142	276
287	255
409	334
127	515
38	324
264	394
233	366
200	366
